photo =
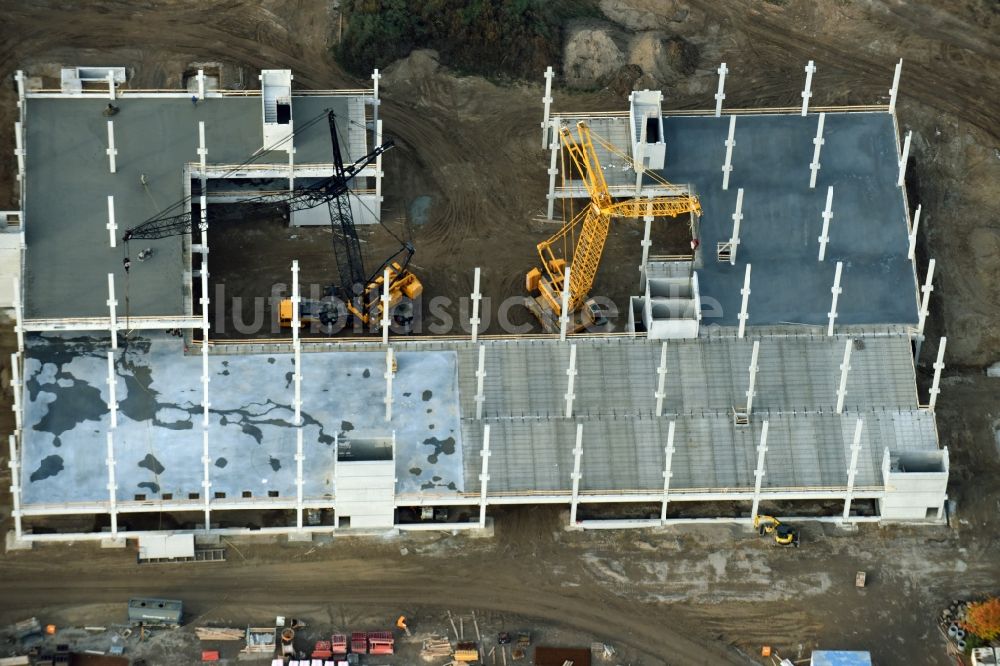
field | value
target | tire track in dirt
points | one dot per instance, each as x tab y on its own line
954	90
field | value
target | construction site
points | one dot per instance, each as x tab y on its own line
262	313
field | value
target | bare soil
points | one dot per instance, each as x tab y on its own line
699	595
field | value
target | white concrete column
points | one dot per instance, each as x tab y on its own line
852	469
661	382
291	170
577	457
845	368
553	170
668	457
388	383
19	81
835	290
912	251
745	291
925	300
817	146
112	486
564	306
18	314
480	383
206	481
476	297
299	482
379	174
19	150
730	142
15	486
15	388
111	226
570	381
752	387
297	342
720	94
646	237
484	475
759	471
894	90
376	100
112	390
547	105
202	153
111	86
901	181
111	151
824	237
385	306
112	310
938	367
807	91
204	301
734	240
201	84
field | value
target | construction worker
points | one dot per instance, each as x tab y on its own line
146	254
111	109
126	263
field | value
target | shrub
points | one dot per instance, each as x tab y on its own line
515	38
983	619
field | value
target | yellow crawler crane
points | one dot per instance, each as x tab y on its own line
591	226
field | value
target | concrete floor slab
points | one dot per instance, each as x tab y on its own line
159	441
782	216
68	182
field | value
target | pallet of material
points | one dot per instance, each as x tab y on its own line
467	651
220	633
435	647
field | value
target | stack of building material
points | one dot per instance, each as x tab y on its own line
435	647
359	642
322	650
380	642
467	651
260	639
338	644
219	633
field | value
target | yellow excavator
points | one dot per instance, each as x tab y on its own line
545	284
784	535
359	294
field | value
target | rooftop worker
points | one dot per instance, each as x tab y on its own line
111	109
194	100
145	254
126	263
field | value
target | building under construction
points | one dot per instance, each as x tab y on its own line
771	368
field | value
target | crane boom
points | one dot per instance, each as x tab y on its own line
346	245
300	198
591	227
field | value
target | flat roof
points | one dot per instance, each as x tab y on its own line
158	441
782	216
252	442
711	454
68	182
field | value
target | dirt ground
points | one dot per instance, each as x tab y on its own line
692	596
